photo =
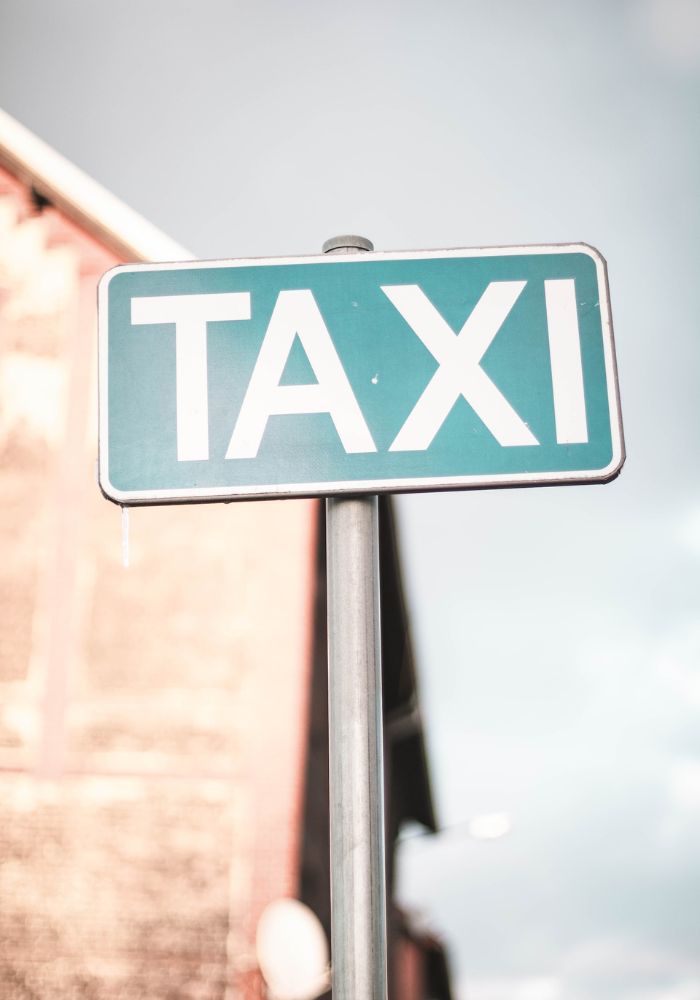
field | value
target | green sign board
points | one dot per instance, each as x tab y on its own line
357	373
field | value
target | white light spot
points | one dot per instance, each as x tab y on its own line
292	951
375	378
490	826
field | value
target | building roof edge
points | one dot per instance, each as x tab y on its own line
81	198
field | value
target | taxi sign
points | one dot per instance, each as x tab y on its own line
357	373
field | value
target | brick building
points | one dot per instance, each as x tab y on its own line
163	728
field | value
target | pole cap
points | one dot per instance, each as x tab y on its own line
347	243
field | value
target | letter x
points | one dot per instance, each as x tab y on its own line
459	372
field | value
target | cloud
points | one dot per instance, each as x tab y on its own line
622	967
678	663
689	525
511	988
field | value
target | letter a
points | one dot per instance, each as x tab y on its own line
297	314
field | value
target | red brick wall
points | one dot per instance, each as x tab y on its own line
152	720
409	970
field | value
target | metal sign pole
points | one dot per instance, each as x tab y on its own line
358	887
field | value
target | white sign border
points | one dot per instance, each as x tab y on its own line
337	488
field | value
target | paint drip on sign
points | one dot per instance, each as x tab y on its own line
125	537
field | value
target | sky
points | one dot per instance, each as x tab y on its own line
557	630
